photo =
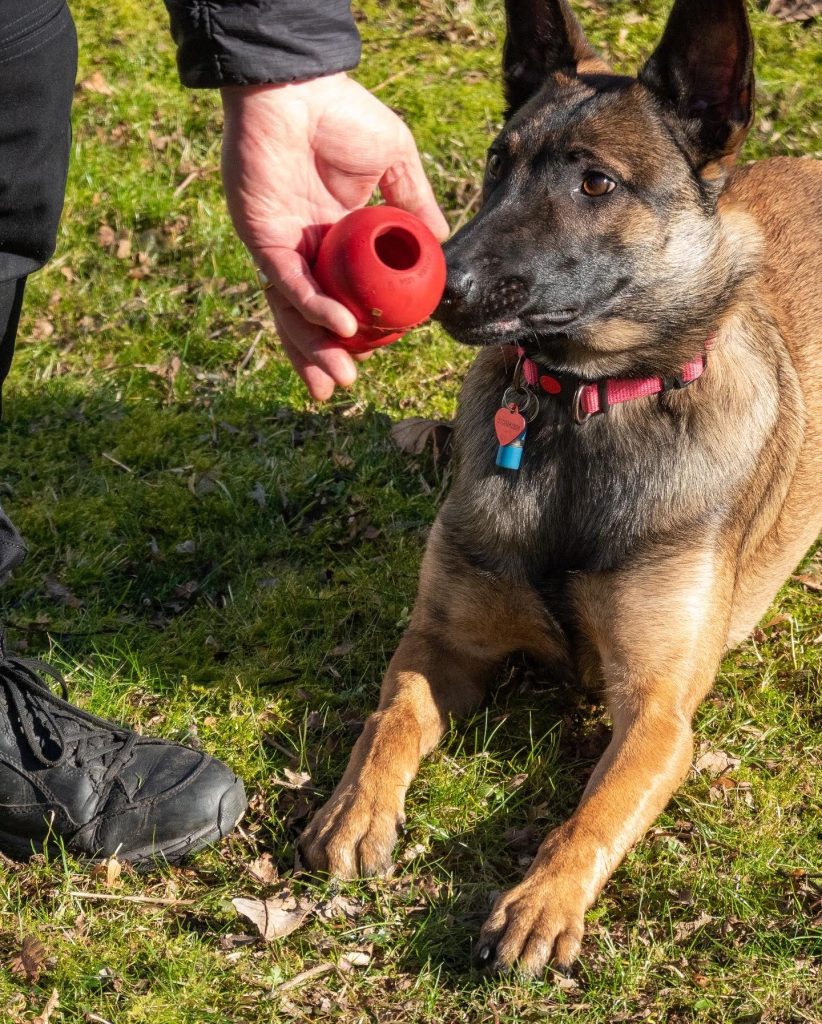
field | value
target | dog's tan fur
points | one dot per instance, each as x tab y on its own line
652	629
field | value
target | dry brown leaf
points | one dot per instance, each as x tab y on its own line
96	83
413	435
48	1009
340	906
29	961
795	10
158	142
685	929
778	620
715	762
810	581
106	236
293	780
263	869
54	588
273	918
43	328
354	958
722	788
108	871
123	250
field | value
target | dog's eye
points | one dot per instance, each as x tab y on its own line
596	185
494	165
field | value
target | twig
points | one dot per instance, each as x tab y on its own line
117	462
187	180
95	1018
162	901
247	357
392	78
200	172
303	976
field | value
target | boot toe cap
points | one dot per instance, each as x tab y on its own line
169	802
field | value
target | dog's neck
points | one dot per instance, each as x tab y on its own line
587	398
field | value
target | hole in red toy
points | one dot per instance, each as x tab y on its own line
397	248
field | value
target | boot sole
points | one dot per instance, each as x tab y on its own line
233	805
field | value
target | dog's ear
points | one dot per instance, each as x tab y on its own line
543	36
703	70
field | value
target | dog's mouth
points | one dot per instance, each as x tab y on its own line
511	329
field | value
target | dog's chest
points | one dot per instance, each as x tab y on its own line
586	497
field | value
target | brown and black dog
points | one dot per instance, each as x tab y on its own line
636	545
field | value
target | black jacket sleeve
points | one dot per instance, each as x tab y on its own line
251	42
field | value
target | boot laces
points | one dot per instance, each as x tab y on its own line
24	678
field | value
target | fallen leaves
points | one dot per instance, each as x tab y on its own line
48	1010
293	780
715	762
284	913
97	84
687	929
795	10
413	435
724	787
60	592
354	958
29	962
108	872
263	869
275	917
811	580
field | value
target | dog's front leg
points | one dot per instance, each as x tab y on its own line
660	635
464	625
354	833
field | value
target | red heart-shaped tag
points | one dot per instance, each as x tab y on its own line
509	423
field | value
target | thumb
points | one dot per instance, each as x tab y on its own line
405	185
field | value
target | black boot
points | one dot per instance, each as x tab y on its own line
99	788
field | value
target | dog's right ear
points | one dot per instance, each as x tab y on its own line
703	70
543	37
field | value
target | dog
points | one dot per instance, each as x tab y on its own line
649	318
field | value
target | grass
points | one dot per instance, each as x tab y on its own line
217	560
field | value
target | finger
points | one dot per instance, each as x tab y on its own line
291	277
320	385
404	184
315	346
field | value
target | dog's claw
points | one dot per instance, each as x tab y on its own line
483	955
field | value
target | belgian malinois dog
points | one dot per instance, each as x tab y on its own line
650	323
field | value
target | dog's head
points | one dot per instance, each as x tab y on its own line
599	235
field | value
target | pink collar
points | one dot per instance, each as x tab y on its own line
587	398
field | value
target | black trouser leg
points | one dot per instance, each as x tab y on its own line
12	549
11	302
38	66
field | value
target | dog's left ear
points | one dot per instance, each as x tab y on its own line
543	36
703	69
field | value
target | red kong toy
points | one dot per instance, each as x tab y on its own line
386	267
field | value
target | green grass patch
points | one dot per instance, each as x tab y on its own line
241	563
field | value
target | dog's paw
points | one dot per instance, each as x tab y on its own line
352	836
537	922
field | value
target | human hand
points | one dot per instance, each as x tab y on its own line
296	158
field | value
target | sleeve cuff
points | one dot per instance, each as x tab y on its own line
255	42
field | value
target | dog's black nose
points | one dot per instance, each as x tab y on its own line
458	287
